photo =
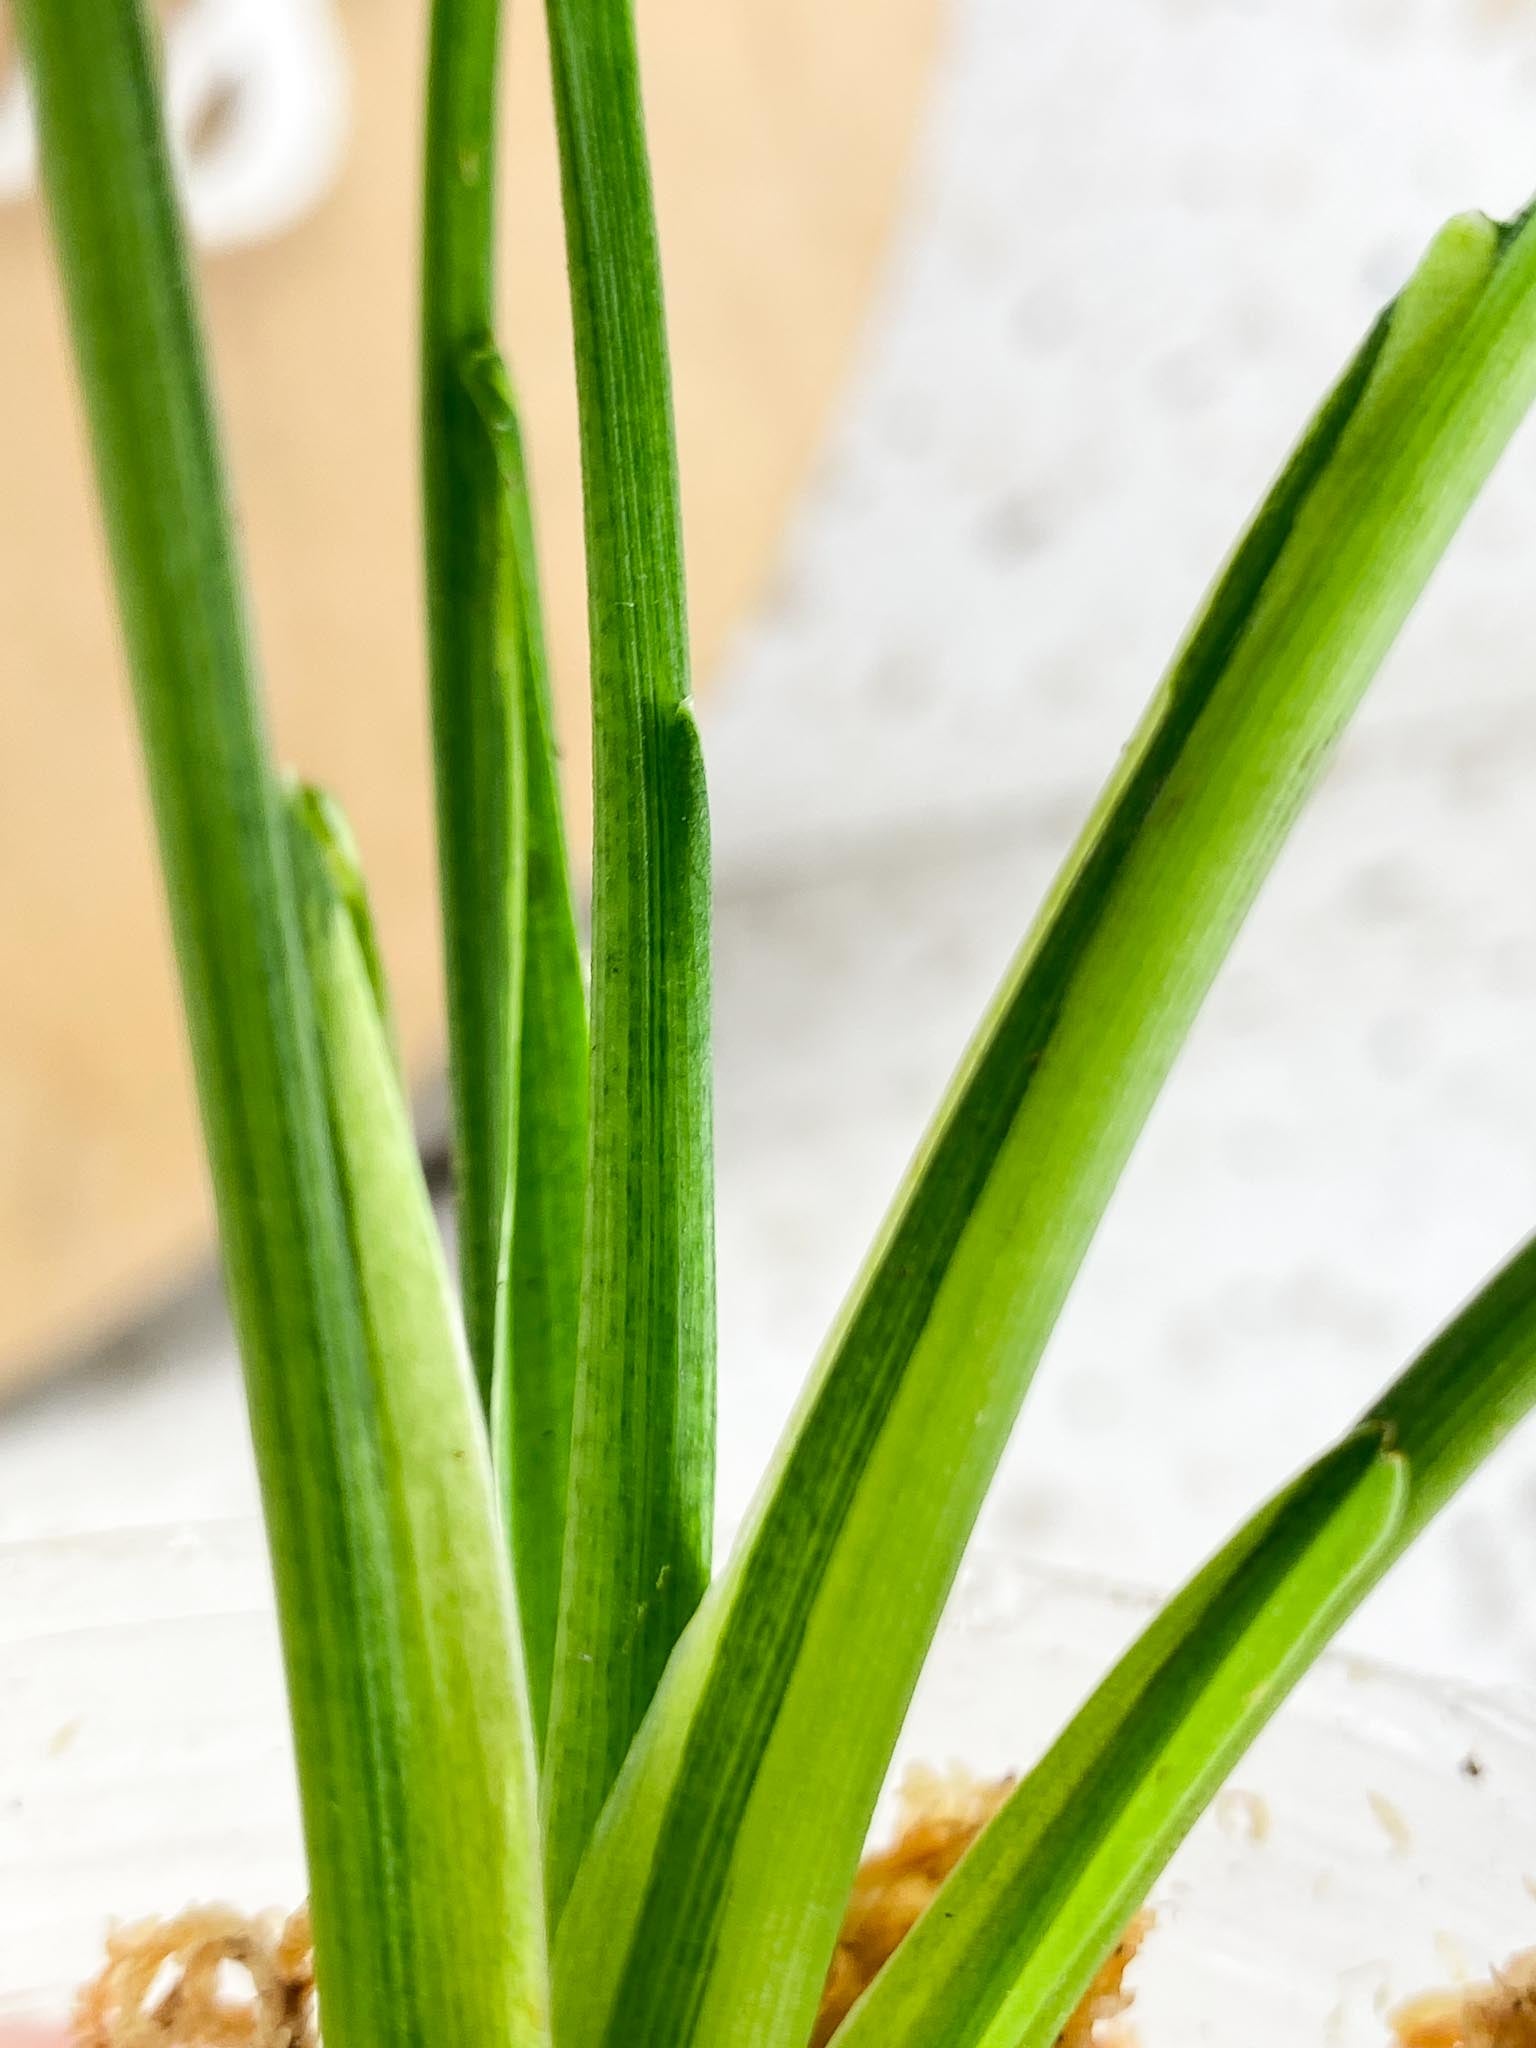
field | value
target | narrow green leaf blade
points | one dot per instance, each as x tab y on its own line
535	1377
642	1451
284	1222
462	1881
737	1823
1040	1899
1030	1914
476	718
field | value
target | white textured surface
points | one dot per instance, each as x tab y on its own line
1141	240
1377	1838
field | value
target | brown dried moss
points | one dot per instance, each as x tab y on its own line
211	1978
1500	2013
939	1818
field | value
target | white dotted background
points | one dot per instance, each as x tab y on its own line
1143	239
1140	238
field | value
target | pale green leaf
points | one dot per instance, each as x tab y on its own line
331	834
458	1781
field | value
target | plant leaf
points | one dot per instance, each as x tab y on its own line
1030	1914
465	1878
475	691
738	1823
1042	1895
1465	1392
642	1450
536	1371
331	833
300	1307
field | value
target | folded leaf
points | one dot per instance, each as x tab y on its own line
740	1815
535	1375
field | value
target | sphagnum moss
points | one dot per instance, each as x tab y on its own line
561	1787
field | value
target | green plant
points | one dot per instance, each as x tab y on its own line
558	1786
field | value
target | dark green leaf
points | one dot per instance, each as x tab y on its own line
476	717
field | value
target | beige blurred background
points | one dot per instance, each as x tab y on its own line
780	154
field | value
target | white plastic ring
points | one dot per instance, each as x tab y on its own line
257	104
